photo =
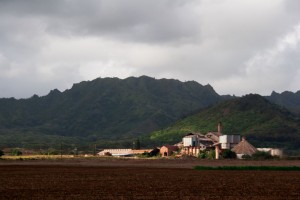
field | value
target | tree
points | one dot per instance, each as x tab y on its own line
136	144
1	153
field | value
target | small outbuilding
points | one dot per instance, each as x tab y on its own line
168	150
244	148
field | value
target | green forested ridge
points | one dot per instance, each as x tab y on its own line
107	111
112	112
287	99
263	123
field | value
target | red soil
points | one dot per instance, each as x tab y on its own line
127	179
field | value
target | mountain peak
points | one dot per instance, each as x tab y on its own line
54	92
287	99
274	93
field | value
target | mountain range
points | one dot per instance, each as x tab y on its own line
111	112
105	110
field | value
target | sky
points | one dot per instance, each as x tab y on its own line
238	47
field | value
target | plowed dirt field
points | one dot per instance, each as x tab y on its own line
129	182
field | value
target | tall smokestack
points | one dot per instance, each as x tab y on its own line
220	128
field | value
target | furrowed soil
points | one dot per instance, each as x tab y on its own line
146	179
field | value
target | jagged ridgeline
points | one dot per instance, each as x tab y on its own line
263	123
107	111
287	99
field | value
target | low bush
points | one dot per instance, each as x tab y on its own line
107	154
228	154
16	152
261	155
211	154
202	155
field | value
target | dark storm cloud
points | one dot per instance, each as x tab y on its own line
135	20
236	46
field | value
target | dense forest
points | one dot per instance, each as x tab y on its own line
112	112
107	111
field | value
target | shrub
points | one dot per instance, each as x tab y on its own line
261	155
211	154
228	154
143	155
50	151
202	155
246	157
107	154
1	153
154	152
16	152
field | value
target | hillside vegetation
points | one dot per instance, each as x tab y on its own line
263	123
287	99
112	112
106	111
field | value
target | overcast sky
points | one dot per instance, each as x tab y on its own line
238	47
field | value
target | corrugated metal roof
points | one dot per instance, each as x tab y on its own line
117	152
141	151
171	147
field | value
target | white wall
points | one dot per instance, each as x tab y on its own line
230	139
188	141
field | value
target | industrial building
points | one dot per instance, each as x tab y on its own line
244	148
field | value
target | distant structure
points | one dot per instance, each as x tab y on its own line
168	150
123	152
229	141
272	151
116	152
244	148
193	143
226	142
214	136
